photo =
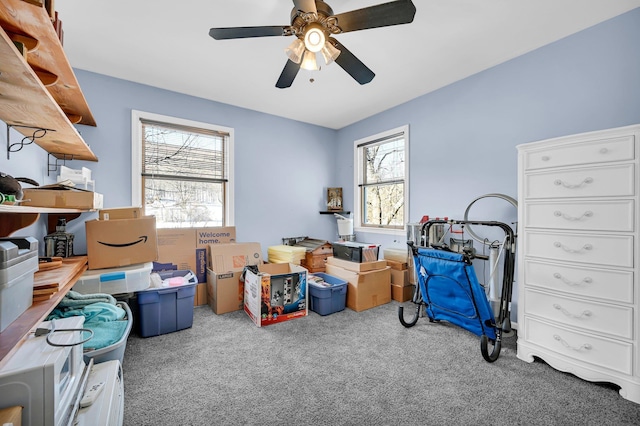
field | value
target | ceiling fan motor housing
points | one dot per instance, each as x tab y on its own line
301	19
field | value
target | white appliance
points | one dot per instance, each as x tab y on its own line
49	381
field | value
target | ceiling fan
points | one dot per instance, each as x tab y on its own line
313	24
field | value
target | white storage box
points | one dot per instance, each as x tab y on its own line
18	263
124	279
81	176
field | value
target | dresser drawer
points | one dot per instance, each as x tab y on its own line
599	351
599	151
612	181
592	316
617	215
607	284
613	250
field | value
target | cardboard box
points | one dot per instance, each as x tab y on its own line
225	291
277	293
400	277
357	266
69	198
120	213
402	293
398	266
200	298
121	242
365	290
187	248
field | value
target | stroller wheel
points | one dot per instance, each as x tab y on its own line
487	345
413	320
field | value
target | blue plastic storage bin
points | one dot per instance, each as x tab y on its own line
326	300
168	309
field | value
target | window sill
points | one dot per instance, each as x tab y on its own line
382	231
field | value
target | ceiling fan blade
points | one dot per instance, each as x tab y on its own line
288	75
382	15
306	5
347	60
246	32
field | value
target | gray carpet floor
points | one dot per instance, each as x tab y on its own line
349	368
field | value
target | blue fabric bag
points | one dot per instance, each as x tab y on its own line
451	291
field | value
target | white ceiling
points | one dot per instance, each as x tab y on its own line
165	43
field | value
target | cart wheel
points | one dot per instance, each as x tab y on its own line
413	320
486	345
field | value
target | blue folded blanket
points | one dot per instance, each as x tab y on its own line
104	319
73	299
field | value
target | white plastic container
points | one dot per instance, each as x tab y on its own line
124	279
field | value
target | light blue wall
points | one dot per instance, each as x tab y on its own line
282	167
463	136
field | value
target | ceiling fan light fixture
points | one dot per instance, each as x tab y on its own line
329	53
314	38
309	61
295	50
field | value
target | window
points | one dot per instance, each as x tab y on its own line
182	171
382	180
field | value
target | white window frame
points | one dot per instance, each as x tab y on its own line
358	176
136	156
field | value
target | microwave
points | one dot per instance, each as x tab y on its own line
46	380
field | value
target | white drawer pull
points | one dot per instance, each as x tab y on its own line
546	158
558	213
586	346
585	247
603	150
585	313
586	280
575	185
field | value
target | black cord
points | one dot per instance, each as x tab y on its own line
49	332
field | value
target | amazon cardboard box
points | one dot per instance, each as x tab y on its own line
225	291
187	249
121	242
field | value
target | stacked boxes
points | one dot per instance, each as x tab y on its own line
277	292
401	287
187	249
368	282
225	290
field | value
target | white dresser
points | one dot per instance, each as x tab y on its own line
578	255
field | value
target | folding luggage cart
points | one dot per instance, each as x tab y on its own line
448	289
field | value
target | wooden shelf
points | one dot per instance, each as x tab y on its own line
24	98
67	275
335	211
13	218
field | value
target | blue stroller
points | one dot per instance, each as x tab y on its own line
448	289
